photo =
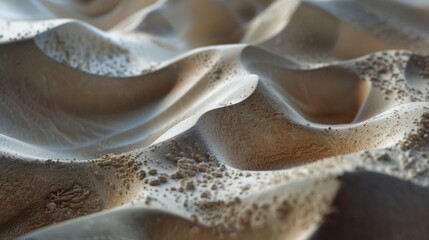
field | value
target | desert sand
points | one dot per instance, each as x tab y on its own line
214	119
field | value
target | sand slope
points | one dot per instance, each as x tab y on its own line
204	119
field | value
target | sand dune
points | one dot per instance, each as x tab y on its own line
204	119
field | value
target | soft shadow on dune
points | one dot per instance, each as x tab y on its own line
225	119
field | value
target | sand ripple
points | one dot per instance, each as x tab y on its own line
204	119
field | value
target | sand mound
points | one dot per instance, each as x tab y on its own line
204	119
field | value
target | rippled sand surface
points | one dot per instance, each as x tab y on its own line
214	119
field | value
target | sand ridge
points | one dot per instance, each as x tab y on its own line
204	119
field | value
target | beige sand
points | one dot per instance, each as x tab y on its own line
210	119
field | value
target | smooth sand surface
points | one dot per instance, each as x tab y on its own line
214	119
